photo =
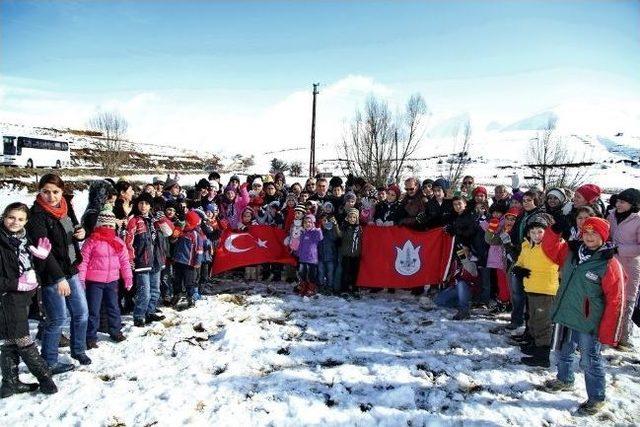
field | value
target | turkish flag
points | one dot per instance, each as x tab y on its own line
399	257
258	244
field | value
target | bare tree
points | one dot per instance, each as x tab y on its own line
460	158
551	161
113	128
278	165
377	145
295	168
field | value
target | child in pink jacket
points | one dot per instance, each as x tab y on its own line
104	260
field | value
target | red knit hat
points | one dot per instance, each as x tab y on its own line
479	190
513	211
192	220
590	192
394	189
599	225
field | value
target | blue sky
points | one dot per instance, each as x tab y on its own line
225	63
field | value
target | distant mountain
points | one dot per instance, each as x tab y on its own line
493	126
450	127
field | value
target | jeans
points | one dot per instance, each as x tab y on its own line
590	361
99	294
518	299
185	277
166	282
147	294
55	306
458	296
308	272
485	282
326	271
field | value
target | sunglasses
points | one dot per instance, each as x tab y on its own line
467	182
409	188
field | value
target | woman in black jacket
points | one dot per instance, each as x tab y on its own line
18	283
52	216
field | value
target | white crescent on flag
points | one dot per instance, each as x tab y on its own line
228	244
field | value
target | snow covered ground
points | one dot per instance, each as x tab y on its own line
257	354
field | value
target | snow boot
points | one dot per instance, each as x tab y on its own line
461	315
311	289
11	383
38	367
540	357
302	288
82	358
528	348
590	407
555	385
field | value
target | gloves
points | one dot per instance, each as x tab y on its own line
494	224
421	218
520	272
43	249
379	222
128	285
388	224
159	215
28	281
166	229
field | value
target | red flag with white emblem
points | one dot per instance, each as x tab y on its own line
258	244
399	257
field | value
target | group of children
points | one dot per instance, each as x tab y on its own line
547	257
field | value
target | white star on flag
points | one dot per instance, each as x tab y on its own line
262	243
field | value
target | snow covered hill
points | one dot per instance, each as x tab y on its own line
257	355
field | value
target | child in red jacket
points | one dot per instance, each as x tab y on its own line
588	306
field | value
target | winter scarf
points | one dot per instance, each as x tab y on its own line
622	216
107	234
57	212
19	242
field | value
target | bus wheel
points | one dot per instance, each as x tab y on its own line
30	164
58	164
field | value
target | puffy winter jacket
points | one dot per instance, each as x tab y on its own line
140	242
102	263
58	264
351	245
590	297
544	272
328	246
190	248
308	249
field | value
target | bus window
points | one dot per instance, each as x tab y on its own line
9	147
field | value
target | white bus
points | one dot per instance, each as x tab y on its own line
31	152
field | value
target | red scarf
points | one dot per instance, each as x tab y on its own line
57	212
107	234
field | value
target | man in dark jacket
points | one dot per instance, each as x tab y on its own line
411	205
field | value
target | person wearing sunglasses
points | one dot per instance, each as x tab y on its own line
412	204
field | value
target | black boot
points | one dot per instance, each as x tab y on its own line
11	384
540	357
38	367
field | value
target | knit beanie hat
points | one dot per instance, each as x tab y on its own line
479	190
213	185
599	225
394	189
590	192
442	183
170	184
106	218
558	194
300	208
335	181
538	220
256	181
514	212
353	210
211	207
249	209
268	179
631	196
202	184
311	217
145	197
192	220
350	196
518	196
158	180
229	188
327	207
292	196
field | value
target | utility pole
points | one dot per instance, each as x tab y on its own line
312	154
395	141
